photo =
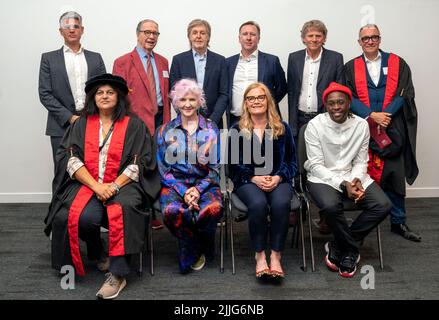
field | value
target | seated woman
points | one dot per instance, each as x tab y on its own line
106	172
188	152
265	188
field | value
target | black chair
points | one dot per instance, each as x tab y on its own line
237	211
348	205
149	244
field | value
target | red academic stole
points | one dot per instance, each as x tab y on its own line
376	164
114	211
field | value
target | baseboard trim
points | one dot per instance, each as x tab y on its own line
45	197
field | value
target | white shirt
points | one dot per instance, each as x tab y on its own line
374	68
245	74
337	152
77	69
308	95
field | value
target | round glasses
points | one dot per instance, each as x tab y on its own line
252	99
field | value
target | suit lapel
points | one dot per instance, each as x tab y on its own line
300	66
261	66
138	65
209	67
189	59
160	70
63	68
87	60
324	65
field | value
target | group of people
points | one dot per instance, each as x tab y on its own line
116	148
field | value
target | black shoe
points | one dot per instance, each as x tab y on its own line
348	264
404	231
333	256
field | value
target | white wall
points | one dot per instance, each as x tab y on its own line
31	27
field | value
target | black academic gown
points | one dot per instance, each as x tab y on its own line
402	167
133	199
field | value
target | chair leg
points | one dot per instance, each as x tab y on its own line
380	251
151	247
232	249
308	210
302	239
140	272
293	237
222	244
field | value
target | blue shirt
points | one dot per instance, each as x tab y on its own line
200	67
142	54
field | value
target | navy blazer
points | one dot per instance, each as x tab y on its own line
54	88
282	159
270	73
331	69
215	81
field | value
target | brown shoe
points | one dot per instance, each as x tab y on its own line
103	264
112	286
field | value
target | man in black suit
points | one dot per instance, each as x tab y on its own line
310	71
63	74
252	65
204	66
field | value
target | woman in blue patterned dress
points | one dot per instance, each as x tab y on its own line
188	159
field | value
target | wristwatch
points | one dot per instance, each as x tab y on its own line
116	187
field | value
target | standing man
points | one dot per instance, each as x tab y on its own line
206	67
147	76
252	65
310	71
62	78
383	94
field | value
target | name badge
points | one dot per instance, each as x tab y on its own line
165	74
385	71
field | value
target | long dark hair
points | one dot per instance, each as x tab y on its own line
122	109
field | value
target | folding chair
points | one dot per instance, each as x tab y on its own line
234	204
348	205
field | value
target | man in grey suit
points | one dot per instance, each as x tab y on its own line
63	74
310	71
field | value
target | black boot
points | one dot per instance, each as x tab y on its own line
404	231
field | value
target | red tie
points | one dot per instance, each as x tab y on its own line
151	80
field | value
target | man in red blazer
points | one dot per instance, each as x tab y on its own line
147	76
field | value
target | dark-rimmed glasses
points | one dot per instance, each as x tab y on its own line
150	33
366	39
252	99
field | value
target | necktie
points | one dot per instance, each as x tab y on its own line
151	80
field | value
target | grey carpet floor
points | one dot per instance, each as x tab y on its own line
411	269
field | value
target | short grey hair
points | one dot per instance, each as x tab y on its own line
369	26
313	24
139	25
70	15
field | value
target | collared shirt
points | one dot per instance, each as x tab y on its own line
200	66
74	163
188	159
374	68
337	152
308	101
246	73
142	54
77	70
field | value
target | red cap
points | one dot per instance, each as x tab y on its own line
334	86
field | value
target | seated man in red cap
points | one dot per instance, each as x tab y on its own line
337	151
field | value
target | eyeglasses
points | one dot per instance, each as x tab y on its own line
366	39
332	103
71	26
252	99
150	33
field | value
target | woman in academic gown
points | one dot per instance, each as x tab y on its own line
106	175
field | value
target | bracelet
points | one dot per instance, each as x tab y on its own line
116	187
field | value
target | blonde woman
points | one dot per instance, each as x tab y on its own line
264	193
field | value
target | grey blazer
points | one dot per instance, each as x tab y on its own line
331	69
54	88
